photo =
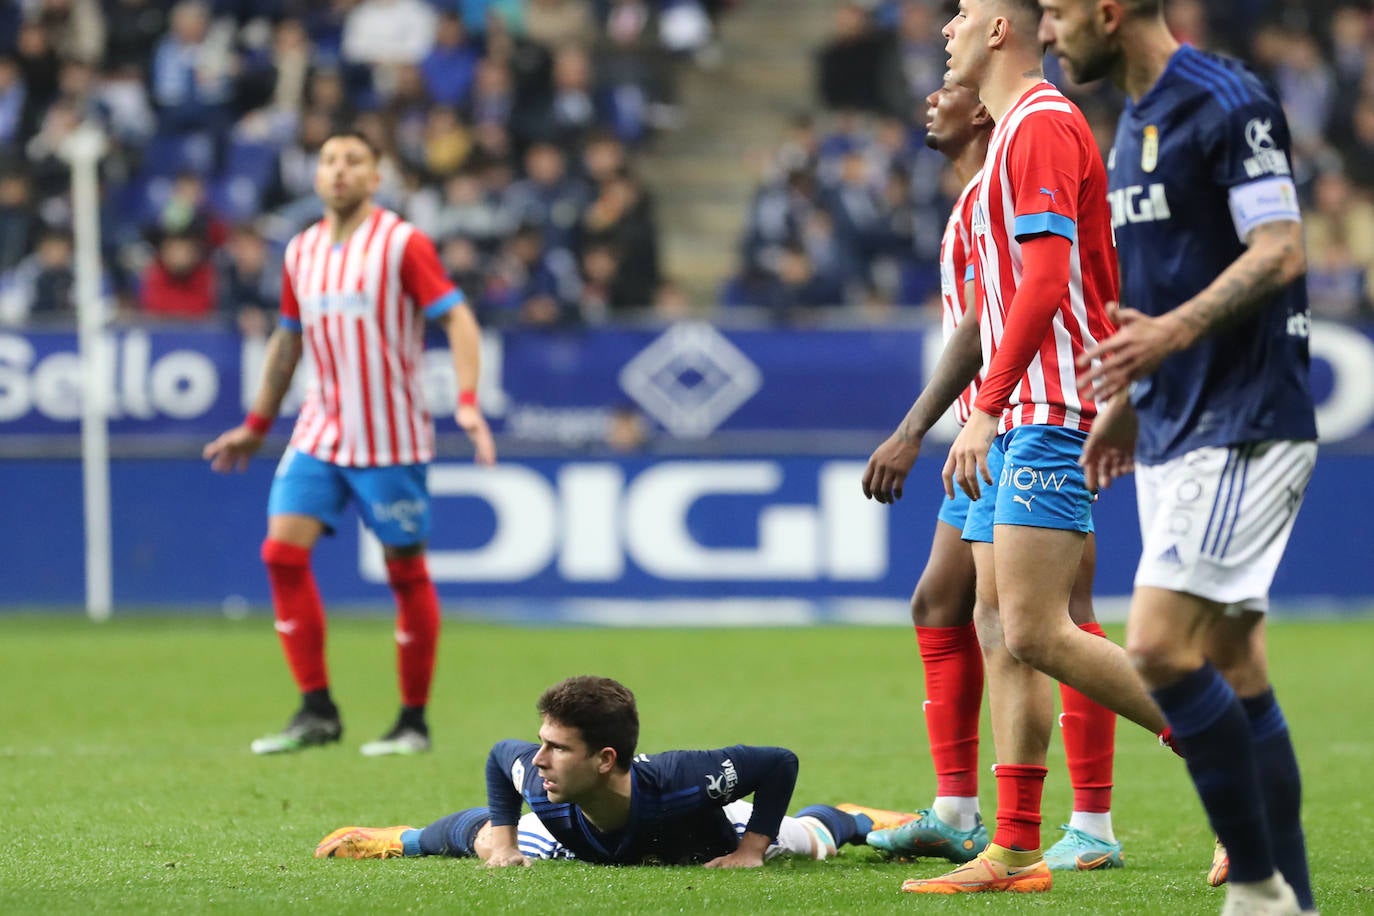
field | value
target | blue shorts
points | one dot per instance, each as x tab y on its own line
1038	484
393	501
953	512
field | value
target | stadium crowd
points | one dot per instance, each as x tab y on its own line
509	130
850	206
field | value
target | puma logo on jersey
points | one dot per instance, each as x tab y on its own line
1023	500
1050	194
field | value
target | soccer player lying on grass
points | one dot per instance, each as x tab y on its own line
593	799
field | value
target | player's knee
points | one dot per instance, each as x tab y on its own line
1247	676
933	606
281	555
1043	648
1158	660
1026	646
403	568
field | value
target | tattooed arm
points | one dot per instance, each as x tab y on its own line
283	353
234	447
890	463
1274	259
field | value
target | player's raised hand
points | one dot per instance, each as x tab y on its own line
471	421
1133	352
1109	451
232	449
968	456
889	466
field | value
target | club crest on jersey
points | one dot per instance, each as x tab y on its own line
1149	149
979	223
1267	158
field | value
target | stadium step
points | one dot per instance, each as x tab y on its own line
703	175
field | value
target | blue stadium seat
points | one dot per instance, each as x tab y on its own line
167	155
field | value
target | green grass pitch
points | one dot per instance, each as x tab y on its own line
127	784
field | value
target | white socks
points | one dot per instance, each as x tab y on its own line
1099	825
959	812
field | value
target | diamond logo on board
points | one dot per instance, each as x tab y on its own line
691	379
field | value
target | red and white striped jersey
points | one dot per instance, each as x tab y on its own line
361	306
1043	175
956	249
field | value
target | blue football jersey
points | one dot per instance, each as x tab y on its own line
676	802
1208	126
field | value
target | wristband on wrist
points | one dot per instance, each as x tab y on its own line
467	398
258	423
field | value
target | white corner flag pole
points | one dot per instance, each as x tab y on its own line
83	150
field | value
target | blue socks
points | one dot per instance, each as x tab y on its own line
448	836
843	826
1213	731
1282	789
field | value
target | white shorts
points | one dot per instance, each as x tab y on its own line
794	836
1215	522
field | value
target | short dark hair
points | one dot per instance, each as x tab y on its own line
602	709
1143	7
350	133
1028	11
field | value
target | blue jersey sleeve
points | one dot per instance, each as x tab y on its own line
1250	141
507	764
738	771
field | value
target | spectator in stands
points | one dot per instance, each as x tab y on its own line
559	24
634	73
603	157
859	67
493	94
1306	89
920	49
132	31
48	170
603	293
451	64
547	196
75	29
468	212
127	112
857	209
1358	151
41	289
478	15
573	111
463	263
13	95
290	64
188	211
389	32
39	65
622	216
18	224
447	142
627	430
798	291
326	94
1339	231
248	283
527	285
179	282
192	72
